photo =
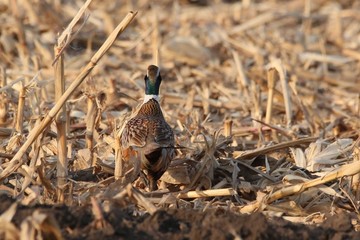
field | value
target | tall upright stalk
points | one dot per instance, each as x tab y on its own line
60	120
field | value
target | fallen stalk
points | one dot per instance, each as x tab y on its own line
208	193
346	170
257	152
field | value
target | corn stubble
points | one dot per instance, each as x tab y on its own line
263	120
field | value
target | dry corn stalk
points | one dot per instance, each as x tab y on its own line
17	160
208	193
60	120
277	64
272	77
3	100
20	111
61	117
346	170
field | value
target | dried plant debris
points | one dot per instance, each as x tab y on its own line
263	98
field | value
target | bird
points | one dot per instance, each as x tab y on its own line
147	137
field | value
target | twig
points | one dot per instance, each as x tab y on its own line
267	176
274	127
208	193
141	199
67	35
351	199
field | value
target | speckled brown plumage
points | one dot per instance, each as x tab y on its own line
150	137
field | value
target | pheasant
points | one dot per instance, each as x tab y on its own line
147	137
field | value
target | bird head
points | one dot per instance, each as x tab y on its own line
152	80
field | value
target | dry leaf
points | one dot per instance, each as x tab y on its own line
176	175
321	153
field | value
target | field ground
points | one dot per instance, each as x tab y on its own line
263	98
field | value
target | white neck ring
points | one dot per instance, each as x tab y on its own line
148	97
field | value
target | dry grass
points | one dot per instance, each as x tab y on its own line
263	98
